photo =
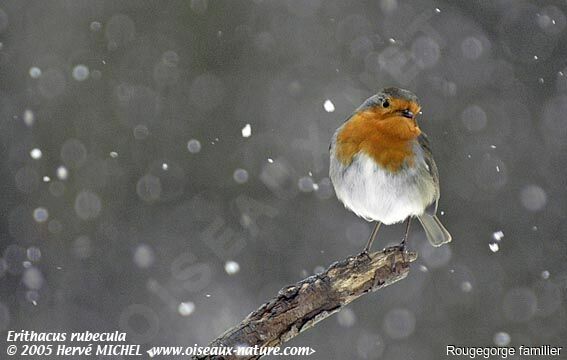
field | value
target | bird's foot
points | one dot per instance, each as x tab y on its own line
365	254
401	247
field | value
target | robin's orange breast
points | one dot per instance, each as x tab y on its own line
363	133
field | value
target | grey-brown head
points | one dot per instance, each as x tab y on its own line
387	96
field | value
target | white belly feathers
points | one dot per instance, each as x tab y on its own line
375	194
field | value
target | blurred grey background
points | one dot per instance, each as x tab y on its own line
164	167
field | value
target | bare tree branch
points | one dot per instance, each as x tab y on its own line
298	307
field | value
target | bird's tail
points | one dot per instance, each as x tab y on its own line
434	230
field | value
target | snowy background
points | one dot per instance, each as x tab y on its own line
164	167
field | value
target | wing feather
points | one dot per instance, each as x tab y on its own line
432	168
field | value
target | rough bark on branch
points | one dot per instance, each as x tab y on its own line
298	307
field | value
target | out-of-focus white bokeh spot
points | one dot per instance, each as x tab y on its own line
399	323
346	317
35	72
144	256
472	48
36	154
33	278
474	118
502	339
231	267
426	52
95	26
80	72
87	205
533	198
29	118
194	146
466	286
186	308
40	214
240	176
170	58
62	173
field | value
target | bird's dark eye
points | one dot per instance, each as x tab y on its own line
385	103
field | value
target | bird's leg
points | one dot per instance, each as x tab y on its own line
402	245
372	237
406	235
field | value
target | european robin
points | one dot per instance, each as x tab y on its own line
382	167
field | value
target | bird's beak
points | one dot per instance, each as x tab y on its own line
408	114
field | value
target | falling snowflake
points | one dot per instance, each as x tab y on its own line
329	106
247	131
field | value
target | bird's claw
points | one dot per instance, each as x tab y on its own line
366	254
401	248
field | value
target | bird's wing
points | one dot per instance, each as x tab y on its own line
432	168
